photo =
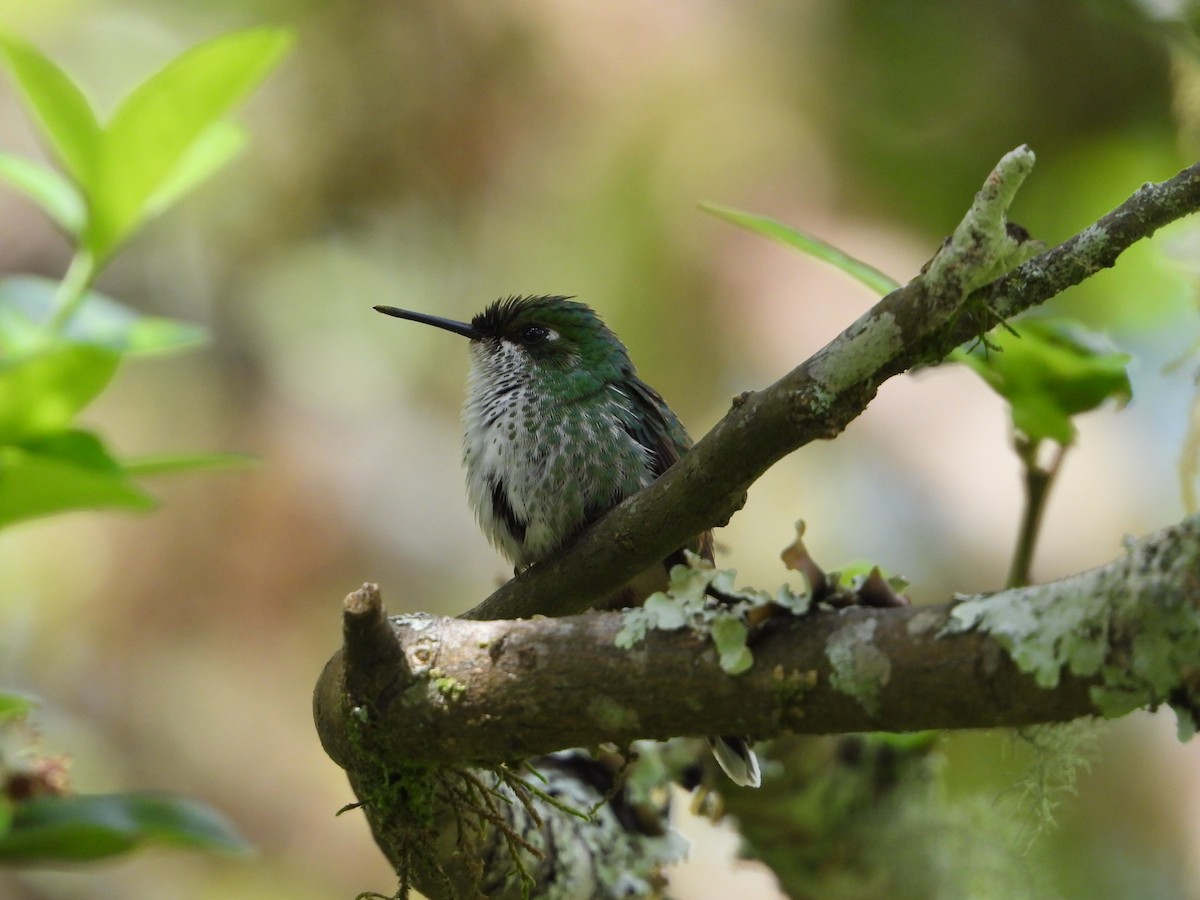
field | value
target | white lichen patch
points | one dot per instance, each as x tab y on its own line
1134	625
923	622
1042	631
566	856
860	669
876	336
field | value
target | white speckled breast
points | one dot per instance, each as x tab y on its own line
538	469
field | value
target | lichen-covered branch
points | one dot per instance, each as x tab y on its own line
426	746
917	324
1105	641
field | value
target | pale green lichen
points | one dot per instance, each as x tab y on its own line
1133	625
982	248
1042	631
1060	753
729	636
686	604
860	669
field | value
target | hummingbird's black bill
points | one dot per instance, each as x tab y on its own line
436	321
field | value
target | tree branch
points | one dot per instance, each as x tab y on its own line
480	693
425	746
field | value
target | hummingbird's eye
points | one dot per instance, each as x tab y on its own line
534	334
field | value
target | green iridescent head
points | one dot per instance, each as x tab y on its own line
551	336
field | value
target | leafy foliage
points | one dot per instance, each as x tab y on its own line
85	827
767	227
1049	370
164	139
61	344
685	603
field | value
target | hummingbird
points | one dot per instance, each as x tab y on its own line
558	429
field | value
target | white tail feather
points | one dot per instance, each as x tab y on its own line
737	760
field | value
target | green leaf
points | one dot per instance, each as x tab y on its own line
93	826
216	146
27	303
877	281
186	462
53	193
62	113
61	472
15	706
1049	371
42	391
153	132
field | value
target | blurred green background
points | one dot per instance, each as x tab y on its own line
439	155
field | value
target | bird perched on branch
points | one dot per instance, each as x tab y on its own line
559	430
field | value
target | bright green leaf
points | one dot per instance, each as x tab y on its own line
93	826
63	114
42	391
15	706
67	471
186	462
53	193
26	304
159	124
1049	371
76	446
877	281
216	146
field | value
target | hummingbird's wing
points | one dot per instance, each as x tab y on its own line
654	426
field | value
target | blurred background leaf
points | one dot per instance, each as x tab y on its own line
1049	371
53	193
43	390
792	237
55	101
27	303
86	827
15	705
167	134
